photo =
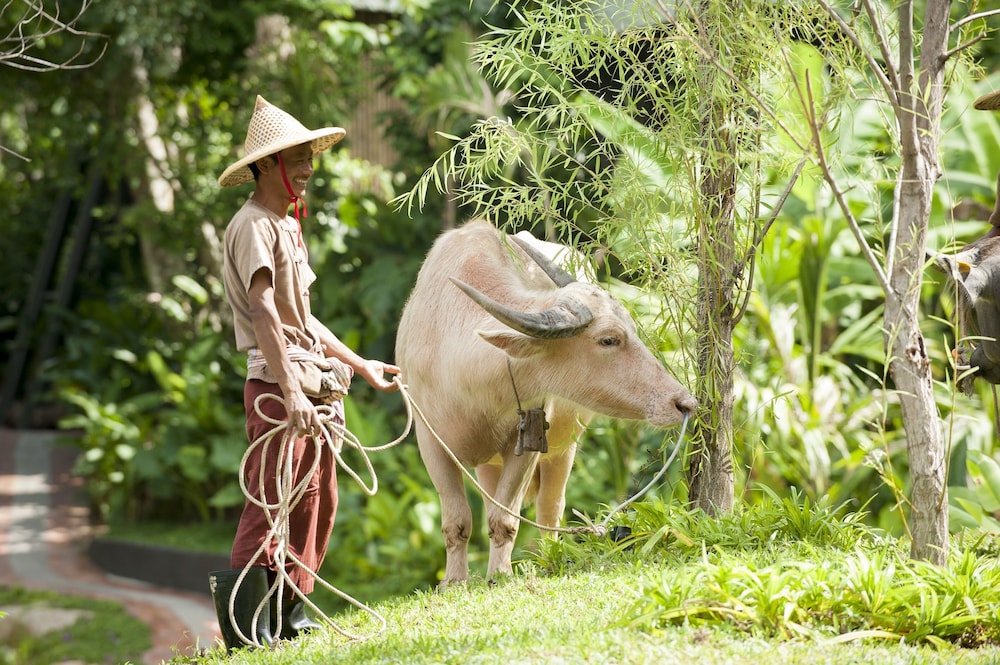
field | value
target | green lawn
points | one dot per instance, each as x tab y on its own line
216	538
569	619
103	633
784	581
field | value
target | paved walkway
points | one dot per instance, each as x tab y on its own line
44	530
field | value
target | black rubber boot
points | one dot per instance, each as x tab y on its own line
249	595
294	619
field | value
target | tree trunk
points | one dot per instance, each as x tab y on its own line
919	116
156	186
710	472
910	369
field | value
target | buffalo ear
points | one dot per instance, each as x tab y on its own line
514	344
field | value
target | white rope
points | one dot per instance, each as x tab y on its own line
590	527
288	496
602	528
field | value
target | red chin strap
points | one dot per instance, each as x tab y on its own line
288	187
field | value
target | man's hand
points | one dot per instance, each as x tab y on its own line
302	415
374	371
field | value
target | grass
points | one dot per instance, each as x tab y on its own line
570	619
780	582
106	633
209	537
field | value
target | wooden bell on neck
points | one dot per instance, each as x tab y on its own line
531	432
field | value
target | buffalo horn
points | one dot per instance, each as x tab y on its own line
567	317
557	274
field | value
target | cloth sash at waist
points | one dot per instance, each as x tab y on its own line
327	379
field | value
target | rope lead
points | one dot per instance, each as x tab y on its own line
289	494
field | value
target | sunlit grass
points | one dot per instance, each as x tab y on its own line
783	580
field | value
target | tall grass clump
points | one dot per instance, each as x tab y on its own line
788	567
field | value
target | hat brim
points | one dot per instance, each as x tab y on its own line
988	102
321	140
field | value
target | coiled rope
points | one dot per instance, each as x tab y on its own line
288	494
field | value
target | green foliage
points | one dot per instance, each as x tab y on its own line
783	581
148	365
661	531
867	594
786	568
162	428
976	505
814	406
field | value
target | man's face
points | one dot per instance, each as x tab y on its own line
298	163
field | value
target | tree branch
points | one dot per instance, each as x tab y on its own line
887	85
962	47
14	153
845	207
751	260
968	19
972	17
33	27
883	46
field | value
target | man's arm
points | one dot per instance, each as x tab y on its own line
302	415
372	371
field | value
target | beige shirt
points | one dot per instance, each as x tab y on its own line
258	238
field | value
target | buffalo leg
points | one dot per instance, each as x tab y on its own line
503	526
456	516
554	469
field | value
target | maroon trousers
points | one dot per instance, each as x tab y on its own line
311	521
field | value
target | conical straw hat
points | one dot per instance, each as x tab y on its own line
272	130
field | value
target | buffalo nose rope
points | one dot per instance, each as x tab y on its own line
602	528
589	527
288	494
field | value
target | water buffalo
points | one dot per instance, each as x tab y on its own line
524	332
973	274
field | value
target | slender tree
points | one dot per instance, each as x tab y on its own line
635	138
917	95
710	470
906	58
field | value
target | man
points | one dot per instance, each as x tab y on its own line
290	355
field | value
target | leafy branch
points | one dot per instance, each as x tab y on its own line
35	25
